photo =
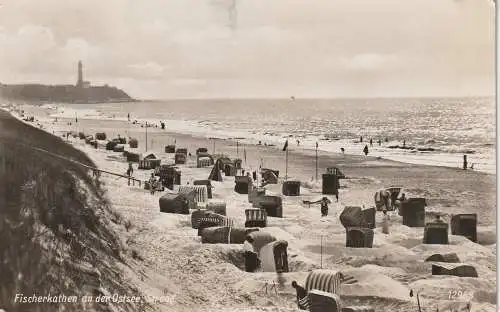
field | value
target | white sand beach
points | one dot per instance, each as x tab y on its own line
205	277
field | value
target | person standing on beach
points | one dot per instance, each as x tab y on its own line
371	142
361	139
342	150
379	142
128	116
365	150
152	184
324	206
130	171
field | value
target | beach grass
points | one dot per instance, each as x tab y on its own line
54	228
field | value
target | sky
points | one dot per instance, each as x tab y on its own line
159	49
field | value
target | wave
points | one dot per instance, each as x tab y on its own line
430	151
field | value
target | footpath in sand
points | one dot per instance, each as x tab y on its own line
202	277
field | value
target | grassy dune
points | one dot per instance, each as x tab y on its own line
54	225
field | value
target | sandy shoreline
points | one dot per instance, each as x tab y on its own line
193	271
447	190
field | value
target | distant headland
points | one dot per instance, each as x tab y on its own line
82	92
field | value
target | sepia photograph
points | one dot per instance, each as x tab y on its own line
248	155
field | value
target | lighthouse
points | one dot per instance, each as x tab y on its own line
81	83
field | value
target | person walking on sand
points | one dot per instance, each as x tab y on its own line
385	223
371	142
342	150
324	205
361	139
365	150
128	116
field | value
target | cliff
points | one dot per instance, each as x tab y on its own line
63	93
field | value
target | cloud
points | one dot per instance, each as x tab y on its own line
371	62
148	70
276	46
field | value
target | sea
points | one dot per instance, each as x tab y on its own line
429	131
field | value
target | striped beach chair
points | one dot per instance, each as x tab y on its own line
200	190
196	216
255	217
274	257
260	239
203	162
324	280
218	207
214	219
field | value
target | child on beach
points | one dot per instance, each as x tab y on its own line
324	205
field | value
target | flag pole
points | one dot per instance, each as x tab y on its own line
316	161
286	165
321	252
418	302
237	149
146	136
